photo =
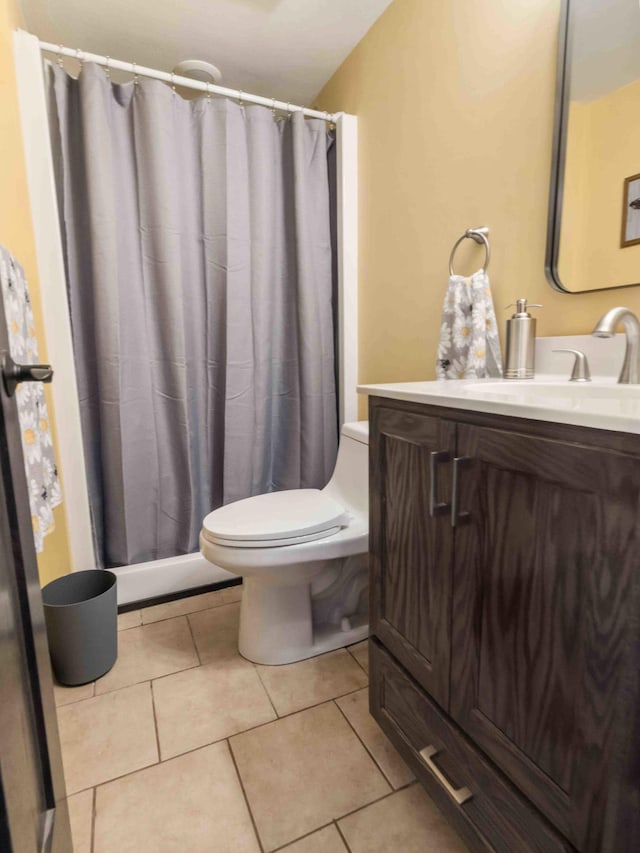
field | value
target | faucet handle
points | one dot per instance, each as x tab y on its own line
580	372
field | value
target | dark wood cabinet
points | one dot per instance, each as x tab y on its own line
410	547
516	607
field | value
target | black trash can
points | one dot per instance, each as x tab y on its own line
81	612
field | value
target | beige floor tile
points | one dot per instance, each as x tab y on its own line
325	840
361	653
355	707
65	695
208	703
232	593
216	633
130	619
192	803
150	651
299	685
107	736
81	817
407	820
182	606
301	772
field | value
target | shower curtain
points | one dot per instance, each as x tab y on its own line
199	265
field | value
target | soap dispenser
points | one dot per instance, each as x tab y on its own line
520	343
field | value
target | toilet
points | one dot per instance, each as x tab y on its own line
303	557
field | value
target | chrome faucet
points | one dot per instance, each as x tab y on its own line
606	328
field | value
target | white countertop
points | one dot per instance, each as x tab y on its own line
600	404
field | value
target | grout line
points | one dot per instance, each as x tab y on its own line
116	778
266	690
136	683
75	701
207	663
286	716
219	740
341	834
193	639
366	671
92	841
244	794
144	624
368	751
323	702
366	805
155	722
301	837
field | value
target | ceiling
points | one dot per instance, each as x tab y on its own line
605	47
285	49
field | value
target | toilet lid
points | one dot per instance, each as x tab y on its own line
297	514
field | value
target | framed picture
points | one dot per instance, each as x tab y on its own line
631	212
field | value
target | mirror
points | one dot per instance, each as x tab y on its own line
593	240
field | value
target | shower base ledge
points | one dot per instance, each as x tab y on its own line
142	581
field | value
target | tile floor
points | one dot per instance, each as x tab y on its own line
186	746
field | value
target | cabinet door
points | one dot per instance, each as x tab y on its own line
410	486
545	605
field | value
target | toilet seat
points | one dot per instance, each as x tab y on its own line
275	519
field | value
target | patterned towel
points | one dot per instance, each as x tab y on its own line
37	447
469	347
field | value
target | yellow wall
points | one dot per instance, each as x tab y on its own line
574	208
590	249
16	234
455	106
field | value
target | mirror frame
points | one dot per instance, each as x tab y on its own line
558	158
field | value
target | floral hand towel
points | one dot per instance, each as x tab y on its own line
37	447
469	347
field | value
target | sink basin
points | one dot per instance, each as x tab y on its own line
598	397
602	391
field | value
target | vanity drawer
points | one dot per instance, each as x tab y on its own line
482	805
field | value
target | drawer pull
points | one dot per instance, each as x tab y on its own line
460	795
458	517
436	507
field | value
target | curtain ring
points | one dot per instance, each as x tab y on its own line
240	101
60	56
106	67
208	85
173	81
135	73
273	107
79	57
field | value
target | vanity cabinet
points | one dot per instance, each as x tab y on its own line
412	585
505	618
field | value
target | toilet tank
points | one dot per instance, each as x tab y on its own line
349	483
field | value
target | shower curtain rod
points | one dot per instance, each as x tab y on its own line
186	82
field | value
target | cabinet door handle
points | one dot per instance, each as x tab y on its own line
436	507
460	795
458	517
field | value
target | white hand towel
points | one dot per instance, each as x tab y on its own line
37	446
469	347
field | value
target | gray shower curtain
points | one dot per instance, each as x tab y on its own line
199	262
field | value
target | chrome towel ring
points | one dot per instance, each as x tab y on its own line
480	235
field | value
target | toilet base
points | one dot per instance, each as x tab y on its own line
276	625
